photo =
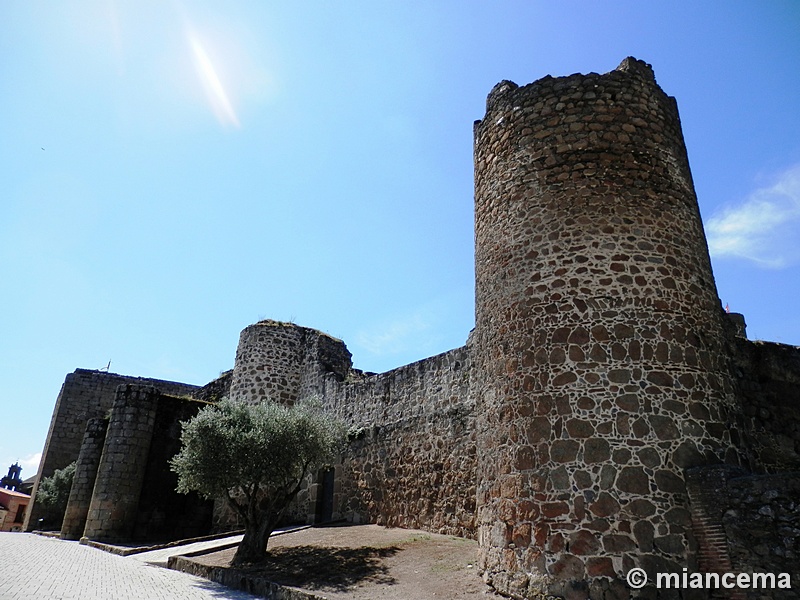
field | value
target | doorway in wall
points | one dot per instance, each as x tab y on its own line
324	510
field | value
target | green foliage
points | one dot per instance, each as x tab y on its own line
232	444
256	457
53	492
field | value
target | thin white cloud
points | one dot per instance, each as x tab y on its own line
765	228
394	337
30	465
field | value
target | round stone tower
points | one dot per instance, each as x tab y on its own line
284	362
601	370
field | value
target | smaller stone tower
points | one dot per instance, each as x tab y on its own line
284	362
122	465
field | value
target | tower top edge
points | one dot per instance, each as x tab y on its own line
288	325
630	66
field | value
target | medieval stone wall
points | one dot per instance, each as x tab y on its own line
80	495
162	513
411	458
762	524
747	523
85	395
600	359
598	419
215	390
134	494
768	375
120	474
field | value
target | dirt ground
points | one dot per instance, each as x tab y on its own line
363	562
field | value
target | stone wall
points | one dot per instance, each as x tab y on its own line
215	390
85	395
768	375
80	495
411	460
162	513
120	474
134	496
762	524
599	418
600	357
747	524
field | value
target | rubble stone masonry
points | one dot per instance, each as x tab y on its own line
600	361
411	460
120	475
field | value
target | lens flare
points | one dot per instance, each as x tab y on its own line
217	96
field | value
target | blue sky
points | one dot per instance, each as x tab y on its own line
173	172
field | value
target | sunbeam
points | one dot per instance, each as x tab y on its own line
217	96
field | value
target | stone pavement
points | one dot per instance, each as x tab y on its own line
159	557
39	568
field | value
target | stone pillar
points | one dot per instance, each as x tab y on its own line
120	476
601	371
80	495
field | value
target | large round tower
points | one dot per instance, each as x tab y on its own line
601	374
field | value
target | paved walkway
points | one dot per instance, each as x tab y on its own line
39	568
160	557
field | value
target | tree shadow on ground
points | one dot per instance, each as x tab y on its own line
326	567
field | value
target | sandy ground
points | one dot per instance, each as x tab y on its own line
363	562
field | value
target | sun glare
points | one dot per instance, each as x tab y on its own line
217	96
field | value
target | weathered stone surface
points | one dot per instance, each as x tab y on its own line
633	480
84	395
605	505
667	481
596	450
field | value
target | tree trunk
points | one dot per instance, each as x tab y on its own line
253	547
260	522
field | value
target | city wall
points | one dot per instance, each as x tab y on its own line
411	458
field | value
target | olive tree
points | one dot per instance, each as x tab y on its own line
53	493
256	457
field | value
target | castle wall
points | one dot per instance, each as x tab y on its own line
411	458
600	363
124	489
747	523
283	362
761	518
768	375
591	424
215	390
85	395
162	513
